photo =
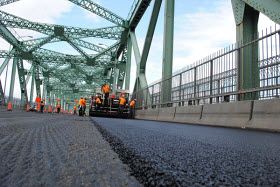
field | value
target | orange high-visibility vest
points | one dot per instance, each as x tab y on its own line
75	108
98	100
106	89
122	101
81	102
132	103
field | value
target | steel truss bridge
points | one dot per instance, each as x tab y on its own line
70	76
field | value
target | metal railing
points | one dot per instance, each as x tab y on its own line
216	78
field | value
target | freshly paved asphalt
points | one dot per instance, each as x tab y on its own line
173	154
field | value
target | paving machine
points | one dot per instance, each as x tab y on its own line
109	107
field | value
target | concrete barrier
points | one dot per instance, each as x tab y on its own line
139	114
149	114
227	114
166	114
266	115
188	114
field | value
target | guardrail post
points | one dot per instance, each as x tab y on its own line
239	71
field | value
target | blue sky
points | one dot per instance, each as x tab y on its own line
201	28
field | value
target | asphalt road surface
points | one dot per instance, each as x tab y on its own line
172	154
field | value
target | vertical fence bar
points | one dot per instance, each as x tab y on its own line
194	83
211	81
180	89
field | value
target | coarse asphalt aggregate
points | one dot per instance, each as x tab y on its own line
172	154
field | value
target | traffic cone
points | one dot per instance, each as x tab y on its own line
50	109
27	109
38	107
10	106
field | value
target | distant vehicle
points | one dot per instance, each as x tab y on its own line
33	108
111	108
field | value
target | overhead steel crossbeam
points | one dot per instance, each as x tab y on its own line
108	50
6	2
9	37
81	43
100	11
12	21
138	13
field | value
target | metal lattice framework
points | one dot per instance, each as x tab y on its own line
68	76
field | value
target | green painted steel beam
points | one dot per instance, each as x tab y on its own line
100	11
246	18
2	96
6	2
77	48
167	61
29	74
9	37
12	82
87	45
135	47
150	34
38	82
128	64
9	20
138	13
108	50
22	83
41	43
6	61
270	8
32	87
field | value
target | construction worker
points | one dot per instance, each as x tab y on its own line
85	106
42	105
121	104
58	108
106	90
98	103
131	109
75	109
81	106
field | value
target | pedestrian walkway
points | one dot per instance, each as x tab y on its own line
57	150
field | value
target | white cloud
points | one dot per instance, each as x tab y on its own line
45	11
91	16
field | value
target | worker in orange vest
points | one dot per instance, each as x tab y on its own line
121	104
58	108
81	106
131	109
106	90
98	103
85	106
75	109
42	105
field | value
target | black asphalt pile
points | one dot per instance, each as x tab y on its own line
57	150
171	154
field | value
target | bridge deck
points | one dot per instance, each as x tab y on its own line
66	150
